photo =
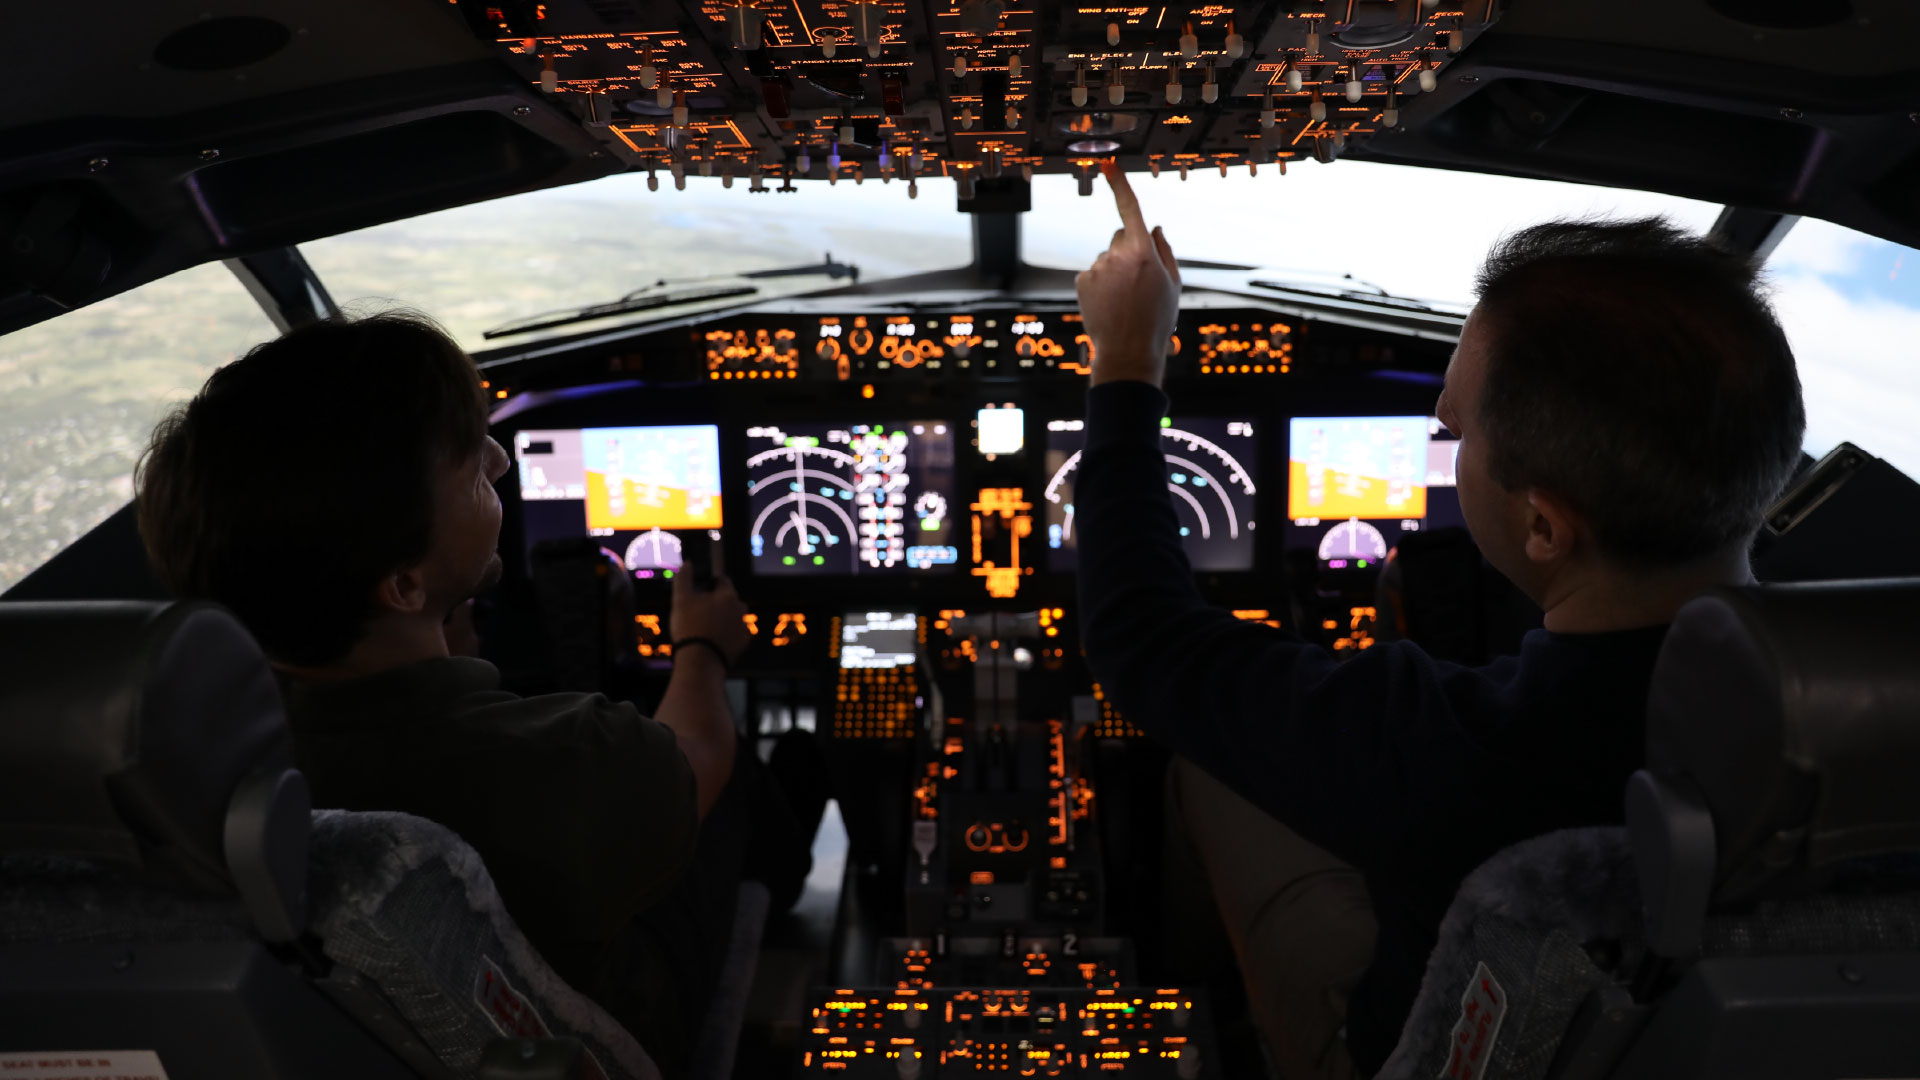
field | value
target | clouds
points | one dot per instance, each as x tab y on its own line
1854	320
1414	232
1857	370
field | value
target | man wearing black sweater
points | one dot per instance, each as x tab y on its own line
1627	406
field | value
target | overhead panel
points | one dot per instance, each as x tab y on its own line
773	91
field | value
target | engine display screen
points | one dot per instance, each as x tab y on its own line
878	639
842	499
632	486
1357	484
1211	474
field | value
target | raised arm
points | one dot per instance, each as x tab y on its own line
1321	745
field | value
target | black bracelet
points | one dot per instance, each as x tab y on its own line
725	663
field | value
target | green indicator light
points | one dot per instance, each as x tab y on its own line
666	573
819	560
787	561
1363	564
1166	421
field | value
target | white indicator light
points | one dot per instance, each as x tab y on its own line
1002	431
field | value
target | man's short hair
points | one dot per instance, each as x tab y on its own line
303	473
1638	373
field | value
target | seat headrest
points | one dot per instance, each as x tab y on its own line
1794	712
126	728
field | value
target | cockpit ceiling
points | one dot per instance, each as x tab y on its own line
172	133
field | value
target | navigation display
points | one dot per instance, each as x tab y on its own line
1358	484
851	498
1211	473
632	486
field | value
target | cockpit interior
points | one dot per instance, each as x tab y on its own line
885	467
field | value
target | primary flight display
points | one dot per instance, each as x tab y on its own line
633	487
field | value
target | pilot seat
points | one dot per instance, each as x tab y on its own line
1759	914
169	906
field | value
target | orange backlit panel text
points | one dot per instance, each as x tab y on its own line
1002	523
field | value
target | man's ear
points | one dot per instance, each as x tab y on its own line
1552	529
403	592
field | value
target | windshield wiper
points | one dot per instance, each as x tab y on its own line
664	293
1367	292
829	268
624	305
1209	264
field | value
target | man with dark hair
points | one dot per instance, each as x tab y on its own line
334	488
1627	407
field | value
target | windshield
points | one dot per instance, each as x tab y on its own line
79	395
1413	232
1851	306
476	267
1417	233
1848	301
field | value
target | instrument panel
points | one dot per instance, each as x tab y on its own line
919	444
895	492
927	458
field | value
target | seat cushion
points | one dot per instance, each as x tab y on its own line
1513	963
408	906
